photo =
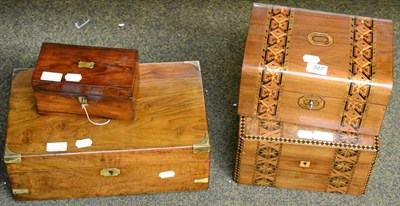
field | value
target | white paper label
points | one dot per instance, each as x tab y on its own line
311	58
51	76
317	68
167	174
317	135
325	136
56	146
313	66
70	77
305	134
83	143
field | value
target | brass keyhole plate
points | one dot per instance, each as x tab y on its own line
305	101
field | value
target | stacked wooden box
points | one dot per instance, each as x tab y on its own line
59	155
313	94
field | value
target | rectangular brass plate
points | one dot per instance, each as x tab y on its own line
201	180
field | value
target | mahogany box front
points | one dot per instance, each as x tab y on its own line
166	148
104	79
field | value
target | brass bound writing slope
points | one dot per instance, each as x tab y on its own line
166	148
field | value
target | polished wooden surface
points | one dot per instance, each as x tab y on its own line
170	118
112	75
110	86
287	172
333	87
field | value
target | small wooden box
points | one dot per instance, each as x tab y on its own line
107	78
314	68
280	154
166	148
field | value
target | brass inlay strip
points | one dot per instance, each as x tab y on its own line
201	180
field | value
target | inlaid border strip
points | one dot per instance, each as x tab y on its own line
342	171
372	165
236	174
273	60
361	69
266	163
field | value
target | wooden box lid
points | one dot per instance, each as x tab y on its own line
102	71
170	115
314	53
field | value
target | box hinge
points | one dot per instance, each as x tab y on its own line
195	63
20	191
203	146
201	180
11	157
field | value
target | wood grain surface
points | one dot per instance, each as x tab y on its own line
170	118
359	68
271	154
110	87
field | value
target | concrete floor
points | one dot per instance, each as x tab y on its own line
213	32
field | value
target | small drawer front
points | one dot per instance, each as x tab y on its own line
306	159
305	167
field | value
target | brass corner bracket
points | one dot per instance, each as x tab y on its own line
195	63
11	157
203	146
201	180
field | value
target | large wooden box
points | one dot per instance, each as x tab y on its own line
166	148
315	68
285	155
106	78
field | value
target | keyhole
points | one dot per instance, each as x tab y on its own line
304	163
110	172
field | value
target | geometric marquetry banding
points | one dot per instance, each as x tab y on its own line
342	170
236	173
361	71
273	60
266	163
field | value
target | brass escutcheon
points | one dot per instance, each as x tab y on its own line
311	102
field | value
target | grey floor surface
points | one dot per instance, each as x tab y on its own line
213	32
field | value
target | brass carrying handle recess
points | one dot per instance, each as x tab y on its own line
82	64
